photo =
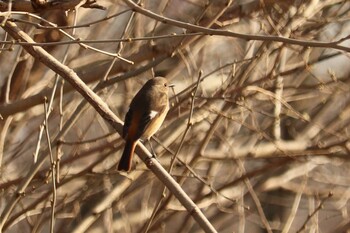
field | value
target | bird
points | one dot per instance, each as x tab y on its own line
146	114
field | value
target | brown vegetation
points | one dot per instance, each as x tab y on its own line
256	139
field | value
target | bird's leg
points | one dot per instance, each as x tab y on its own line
152	150
144	140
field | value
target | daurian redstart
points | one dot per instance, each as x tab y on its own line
145	116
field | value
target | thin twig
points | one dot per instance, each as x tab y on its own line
310	216
189	122
53	169
105	41
279	96
59	151
294	208
41	128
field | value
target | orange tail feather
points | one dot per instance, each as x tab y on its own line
126	159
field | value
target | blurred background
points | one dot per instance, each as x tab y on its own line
268	144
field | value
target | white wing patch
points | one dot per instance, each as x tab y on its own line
153	114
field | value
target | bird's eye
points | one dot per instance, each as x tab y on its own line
165	85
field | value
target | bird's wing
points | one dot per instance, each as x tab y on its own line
127	122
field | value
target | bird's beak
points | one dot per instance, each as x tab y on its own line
171	85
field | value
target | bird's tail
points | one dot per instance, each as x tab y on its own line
125	160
